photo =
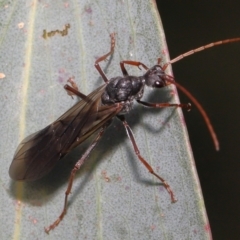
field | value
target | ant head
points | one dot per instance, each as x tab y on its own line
156	77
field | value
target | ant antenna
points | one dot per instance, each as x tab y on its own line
188	94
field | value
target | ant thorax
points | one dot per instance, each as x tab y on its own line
123	90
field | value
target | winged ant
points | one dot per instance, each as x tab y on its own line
38	153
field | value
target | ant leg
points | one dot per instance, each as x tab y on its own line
133	63
162	105
73	84
159	61
76	92
70	182
97	66
146	164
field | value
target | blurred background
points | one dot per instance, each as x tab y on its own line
213	77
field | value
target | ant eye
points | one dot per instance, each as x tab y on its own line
158	84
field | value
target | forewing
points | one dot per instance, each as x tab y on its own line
38	153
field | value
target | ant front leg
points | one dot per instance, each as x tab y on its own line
133	63
162	105
97	66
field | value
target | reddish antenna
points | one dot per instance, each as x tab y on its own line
170	79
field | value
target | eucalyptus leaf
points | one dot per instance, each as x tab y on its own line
42	45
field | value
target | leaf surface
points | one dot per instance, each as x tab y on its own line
114	196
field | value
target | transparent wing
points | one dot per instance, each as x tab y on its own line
38	153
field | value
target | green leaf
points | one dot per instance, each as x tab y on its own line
114	196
